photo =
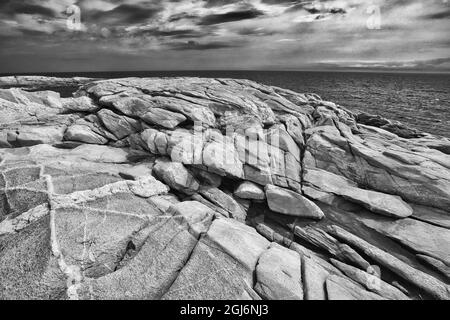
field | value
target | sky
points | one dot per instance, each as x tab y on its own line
129	35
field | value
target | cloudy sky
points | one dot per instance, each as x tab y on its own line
45	36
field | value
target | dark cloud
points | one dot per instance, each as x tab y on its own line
194	45
176	34
181	16
315	8
312	10
438	15
256	32
11	8
230	16
124	14
337	11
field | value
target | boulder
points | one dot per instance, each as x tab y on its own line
176	176
377	202
287	202
278	274
155	141
164	118
79	104
225	202
222	158
85	131
419	236
120	126
314	278
147	186
206	178
249	190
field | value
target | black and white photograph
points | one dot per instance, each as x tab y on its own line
223	154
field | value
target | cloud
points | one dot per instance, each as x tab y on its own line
442	64
174	33
438	15
11	8
263	34
230	17
124	14
194	45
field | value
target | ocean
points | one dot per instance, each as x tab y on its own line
419	100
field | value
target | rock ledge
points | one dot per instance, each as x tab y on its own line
190	188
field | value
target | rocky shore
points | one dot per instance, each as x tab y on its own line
191	188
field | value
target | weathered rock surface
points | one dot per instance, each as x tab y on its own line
428	283
164	118
176	176
340	288
190	188
314	279
225	202
393	166
197	216
221	264
371	282
249	190
36	82
119	126
291	203
377	202
278	274
436	264
419	236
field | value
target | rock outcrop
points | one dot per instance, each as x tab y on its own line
190	188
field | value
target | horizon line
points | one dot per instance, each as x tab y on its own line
343	70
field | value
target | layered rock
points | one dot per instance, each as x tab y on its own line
291	203
249	190
189	188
